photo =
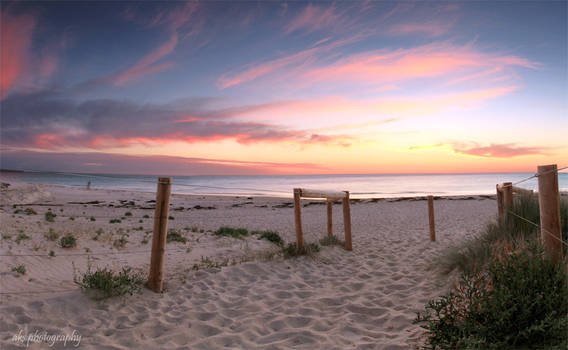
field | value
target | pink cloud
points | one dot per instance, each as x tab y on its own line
428	61
312	18
506	150
16	37
432	29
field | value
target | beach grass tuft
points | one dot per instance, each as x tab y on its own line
50	216
510	294
291	250
20	270
232	232
175	236
51	235
21	237
331	240
121	242
68	241
270	236
104	283
475	253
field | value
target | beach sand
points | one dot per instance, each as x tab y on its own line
336	299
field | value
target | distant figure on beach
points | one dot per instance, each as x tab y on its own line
89	185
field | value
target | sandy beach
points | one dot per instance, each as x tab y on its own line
223	292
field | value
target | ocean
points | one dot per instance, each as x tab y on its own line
359	186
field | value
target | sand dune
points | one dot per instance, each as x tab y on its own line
364	299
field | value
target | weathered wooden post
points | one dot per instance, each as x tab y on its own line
500	208
431	218
329	218
507	196
347	221
298	217
549	203
156	277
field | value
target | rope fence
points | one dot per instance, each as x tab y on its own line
549	207
161	206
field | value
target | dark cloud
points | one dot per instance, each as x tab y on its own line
47	119
105	163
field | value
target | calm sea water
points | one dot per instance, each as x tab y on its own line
360	186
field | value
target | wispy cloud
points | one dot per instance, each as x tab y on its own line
432	29
314	17
173	20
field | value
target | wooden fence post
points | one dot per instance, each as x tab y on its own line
156	277
298	217
507	196
329	218
549	203
347	221
500	208
431	218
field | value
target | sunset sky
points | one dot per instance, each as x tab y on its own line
283	87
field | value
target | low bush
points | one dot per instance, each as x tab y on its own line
271	236
30	211
331	240
20	270
520	301
51	235
291	250
68	241
50	216
175	236
232	232
121	242
104	283
114	221
21	237
128	213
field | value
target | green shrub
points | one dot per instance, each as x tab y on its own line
331	240
49	216
128	213
171	217
93	218
21	237
51	253
175	236
20	270
291	250
121	242
477	252
51	235
68	241
146	216
519	301
271	236
30	211
115	221
232	232
104	283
